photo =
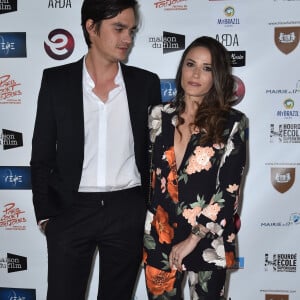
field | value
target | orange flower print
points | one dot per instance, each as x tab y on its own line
230	259
163	182
153	180
200	160
162	226
192	214
232	188
211	210
231	238
172	179
159	281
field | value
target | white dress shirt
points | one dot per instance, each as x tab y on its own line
109	161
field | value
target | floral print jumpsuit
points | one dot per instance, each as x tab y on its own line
204	189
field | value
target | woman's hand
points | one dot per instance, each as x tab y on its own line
181	250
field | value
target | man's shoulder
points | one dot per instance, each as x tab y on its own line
137	71
65	67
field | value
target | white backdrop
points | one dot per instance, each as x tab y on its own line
265	35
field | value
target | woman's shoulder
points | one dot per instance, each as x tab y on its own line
236	115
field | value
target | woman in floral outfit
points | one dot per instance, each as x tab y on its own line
198	146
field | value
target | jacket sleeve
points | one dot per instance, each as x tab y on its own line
229	180
43	148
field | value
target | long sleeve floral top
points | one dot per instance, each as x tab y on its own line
204	189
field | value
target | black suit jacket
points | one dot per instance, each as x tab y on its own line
58	138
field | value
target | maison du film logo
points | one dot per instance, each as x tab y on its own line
289	111
282	178
13	263
171	4
168	42
285	133
10	139
60	44
12	44
283	262
286	38
10	90
15	178
59	4
12	217
7	6
17	294
230	20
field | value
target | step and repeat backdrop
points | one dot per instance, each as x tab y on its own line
263	39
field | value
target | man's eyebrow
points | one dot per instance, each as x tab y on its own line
122	25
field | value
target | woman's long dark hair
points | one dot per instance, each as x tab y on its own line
212	113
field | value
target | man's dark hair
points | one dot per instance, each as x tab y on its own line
99	10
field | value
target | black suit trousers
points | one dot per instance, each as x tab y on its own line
113	224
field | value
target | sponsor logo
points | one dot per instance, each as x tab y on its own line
17	294
229	19
285	91
12	44
169	42
60	44
11	139
228	39
12	217
294	219
171	4
239	263
168	89
276	297
281	262
282	178
13	263
7	6
285	133
286	38
239	91
15	178
237	58
59	4
9	90
288	112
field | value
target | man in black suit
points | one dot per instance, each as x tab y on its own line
89	158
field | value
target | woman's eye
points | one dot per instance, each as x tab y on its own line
189	64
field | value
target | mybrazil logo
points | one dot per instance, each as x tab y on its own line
12	44
60	44
7	293
15	178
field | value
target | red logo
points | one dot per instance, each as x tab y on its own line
12	217
60	44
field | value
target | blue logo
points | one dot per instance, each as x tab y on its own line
239	263
12	44
17	294
15	178
168	89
